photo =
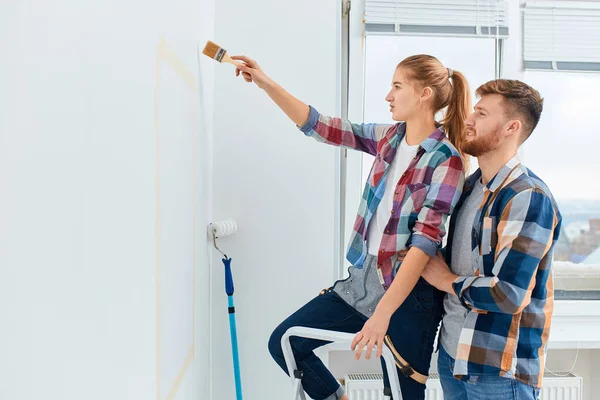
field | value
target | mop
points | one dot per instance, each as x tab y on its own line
220	229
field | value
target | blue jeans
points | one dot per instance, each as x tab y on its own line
485	387
412	331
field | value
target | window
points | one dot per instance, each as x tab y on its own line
563	152
561	48
552	45
383	53
561	35
381	33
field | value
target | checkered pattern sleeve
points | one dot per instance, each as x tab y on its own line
525	234
443	195
340	132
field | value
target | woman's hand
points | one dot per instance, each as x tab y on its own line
371	334
251	72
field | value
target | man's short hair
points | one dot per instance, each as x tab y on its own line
520	100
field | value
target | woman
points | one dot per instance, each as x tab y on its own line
414	184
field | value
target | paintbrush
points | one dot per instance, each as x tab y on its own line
218	53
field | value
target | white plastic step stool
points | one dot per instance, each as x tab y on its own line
330	336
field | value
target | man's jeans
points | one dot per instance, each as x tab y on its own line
484	387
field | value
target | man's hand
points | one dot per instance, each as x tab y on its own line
372	333
438	274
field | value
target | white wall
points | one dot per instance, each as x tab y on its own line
78	274
78	151
277	184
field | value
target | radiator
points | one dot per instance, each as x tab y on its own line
561	386
370	387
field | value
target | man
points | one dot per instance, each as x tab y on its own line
499	285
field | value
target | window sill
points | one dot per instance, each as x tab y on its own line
575	324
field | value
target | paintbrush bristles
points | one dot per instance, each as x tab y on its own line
214	51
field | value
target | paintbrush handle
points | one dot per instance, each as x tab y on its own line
228	59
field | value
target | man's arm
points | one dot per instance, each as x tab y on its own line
525	234
438	274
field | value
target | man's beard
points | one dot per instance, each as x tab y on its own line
483	144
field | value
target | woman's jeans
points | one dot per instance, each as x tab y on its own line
412	331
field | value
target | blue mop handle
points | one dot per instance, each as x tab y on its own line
233	329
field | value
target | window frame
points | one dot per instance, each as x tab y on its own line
575	323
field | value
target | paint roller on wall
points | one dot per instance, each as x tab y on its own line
217	230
